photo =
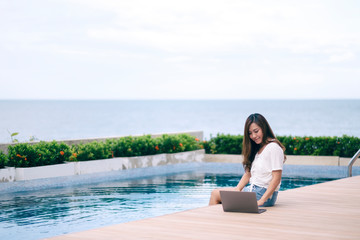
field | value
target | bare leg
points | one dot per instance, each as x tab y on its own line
215	195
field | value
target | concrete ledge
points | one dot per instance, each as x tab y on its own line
57	170
7	174
290	160
345	162
226	158
312	160
99	166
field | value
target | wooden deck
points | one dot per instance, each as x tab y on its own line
324	211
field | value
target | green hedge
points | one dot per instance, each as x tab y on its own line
3	159
224	144
32	155
344	146
48	153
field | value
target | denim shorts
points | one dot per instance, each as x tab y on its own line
260	192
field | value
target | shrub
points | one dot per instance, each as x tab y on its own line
347	146
91	151
23	155
47	153
228	144
321	146
178	143
208	146
141	146
120	147
224	144
43	153
3	159
190	143
52	152
344	146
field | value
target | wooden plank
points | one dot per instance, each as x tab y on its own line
329	210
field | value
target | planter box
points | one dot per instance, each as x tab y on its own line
97	166
57	170
186	157
116	164
7	174
147	161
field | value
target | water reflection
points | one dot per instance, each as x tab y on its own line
290	183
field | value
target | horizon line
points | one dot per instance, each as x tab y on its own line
174	99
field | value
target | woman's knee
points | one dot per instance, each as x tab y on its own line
215	193
215	196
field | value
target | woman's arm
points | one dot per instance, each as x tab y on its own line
244	180
275	181
215	194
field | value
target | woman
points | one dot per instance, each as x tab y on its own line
263	163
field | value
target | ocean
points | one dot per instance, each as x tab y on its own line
77	119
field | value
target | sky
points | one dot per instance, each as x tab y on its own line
188	49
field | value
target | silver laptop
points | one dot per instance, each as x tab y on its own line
236	201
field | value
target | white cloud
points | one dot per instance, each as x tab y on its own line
218	47
210	26
178	59
341	57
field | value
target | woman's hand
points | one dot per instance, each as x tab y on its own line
275	181
260	202
244	180
237	188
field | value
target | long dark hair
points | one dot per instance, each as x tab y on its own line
250	148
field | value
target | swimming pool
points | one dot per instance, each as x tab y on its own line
49	212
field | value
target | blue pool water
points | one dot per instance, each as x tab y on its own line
96	201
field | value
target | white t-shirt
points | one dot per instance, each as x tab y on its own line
270	159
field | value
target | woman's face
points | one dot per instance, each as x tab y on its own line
255	133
